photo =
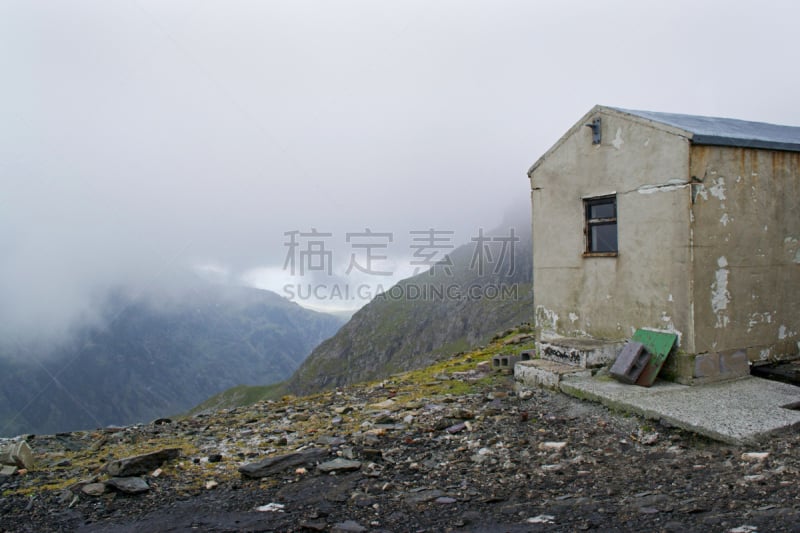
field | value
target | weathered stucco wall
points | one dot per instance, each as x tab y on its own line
647	284
746	234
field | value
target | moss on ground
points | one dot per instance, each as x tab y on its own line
189	473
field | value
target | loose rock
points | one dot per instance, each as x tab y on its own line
349	526
339	465
141	464
128	485
755	456
94	489
271	508
281	463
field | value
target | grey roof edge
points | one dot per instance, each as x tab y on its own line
699	130
710	140
717	131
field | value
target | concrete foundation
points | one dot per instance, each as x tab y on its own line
691	369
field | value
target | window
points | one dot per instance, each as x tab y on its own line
601	226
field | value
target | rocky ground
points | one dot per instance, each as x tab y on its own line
450	448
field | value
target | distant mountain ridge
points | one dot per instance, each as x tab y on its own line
158	359
463	303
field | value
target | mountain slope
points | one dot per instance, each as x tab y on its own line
424	317
158	359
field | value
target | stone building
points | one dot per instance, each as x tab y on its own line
671	222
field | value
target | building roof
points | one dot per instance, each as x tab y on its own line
698	130
727	131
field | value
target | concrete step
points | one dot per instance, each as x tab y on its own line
544	373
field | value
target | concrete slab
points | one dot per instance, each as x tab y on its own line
741	411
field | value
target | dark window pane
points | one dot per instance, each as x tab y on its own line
602	210
603	238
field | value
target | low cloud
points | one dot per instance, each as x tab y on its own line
141	142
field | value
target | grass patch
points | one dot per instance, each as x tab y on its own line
217	429
240	396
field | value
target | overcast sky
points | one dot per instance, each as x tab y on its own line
138	138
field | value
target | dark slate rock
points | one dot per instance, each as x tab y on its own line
456	428
280	463
94	489
424	496
348	526
314	526
372	453
141	464
326	440
339	465
128	485
320	491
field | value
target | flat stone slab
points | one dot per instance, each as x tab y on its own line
279	463
94	489
129	485
141	464
737	412
339	465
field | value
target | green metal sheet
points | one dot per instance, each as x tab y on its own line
659	344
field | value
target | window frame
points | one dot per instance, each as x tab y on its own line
590	223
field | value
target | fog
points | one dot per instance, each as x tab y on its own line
142	140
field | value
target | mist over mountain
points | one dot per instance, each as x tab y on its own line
155	355
482	287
